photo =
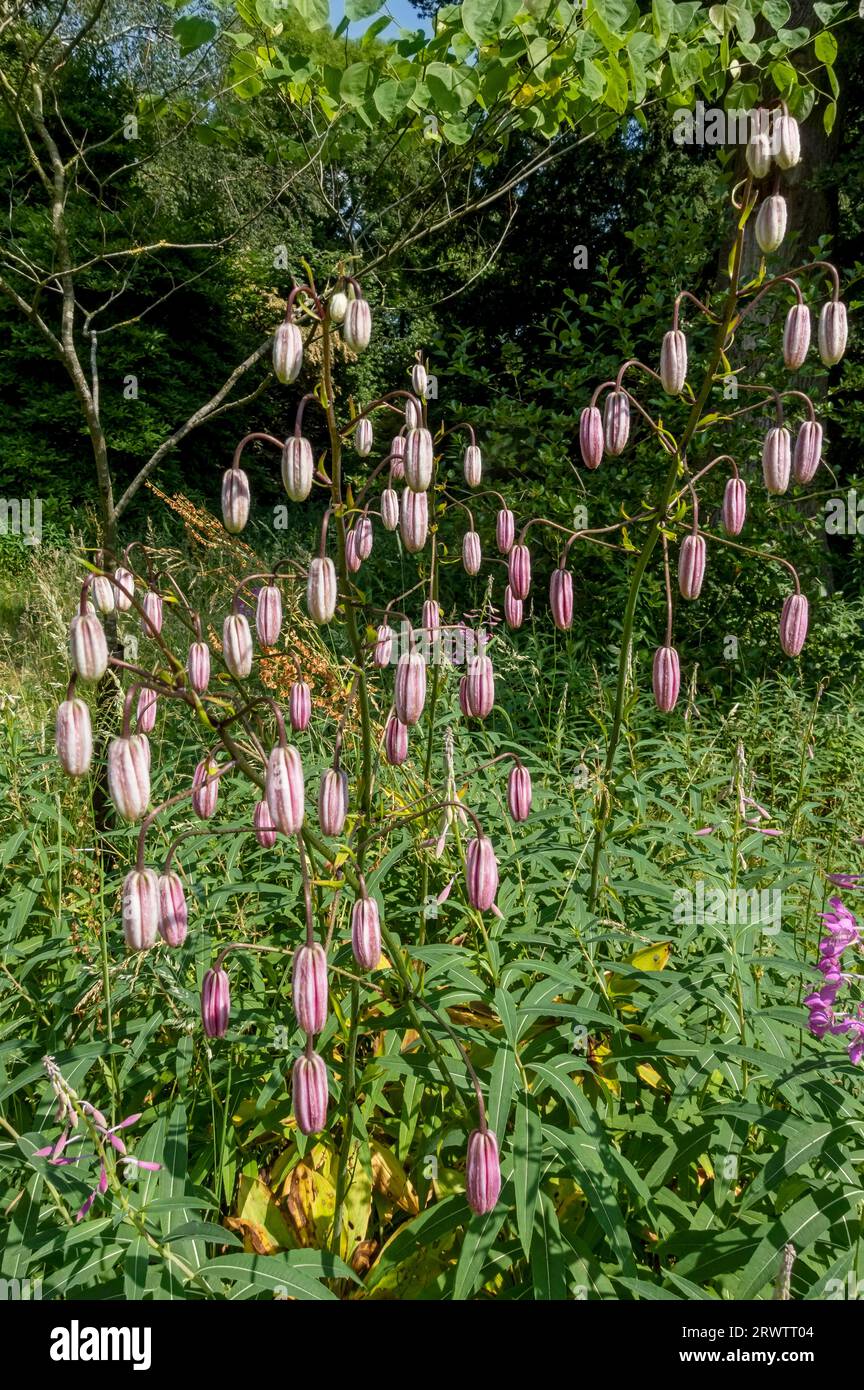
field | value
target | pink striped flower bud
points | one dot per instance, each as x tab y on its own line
309	987
734	511
310	1088
777	460
561	598
124	590
413	415
383	652
363	437
268	615
366	933
265	830
431	616
673	362
205	781
483	1172
786	141
102	592
419	379
666	679
519	571
352	552
215	1003
357	325
397	457
481	873
151	619
464	702
419	457
74	737
796	336
808	451
88	648
300	706
284	790
480	686
389	509
505	530
321	590
513	609
771	223
237	645
145	715
472	554
758	155
409	688
616	422
129	775
333	801
591	437
691	565
519	792
337	306
414	520
298	467
472	466
140	909
173	912
395	741
365	536
794	621
833	332
198	666
287	353
236	499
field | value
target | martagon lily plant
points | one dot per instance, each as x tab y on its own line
410	493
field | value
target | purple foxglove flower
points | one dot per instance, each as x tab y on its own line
140	909
691	565
673	362
796	337
786	141
734	511
389	509
513	609
481	873
352	552
505	530
409	690
519	792
666	679
215	1003
419	458
265	830
333	801
833	332
321	590
284	790
298	467
237	645
483	1171
776	460
236	498
771	223
268	615
414	520
173	912
151	619
300	706
480	687
366	933
590	438
365	536
561	598
472	554
287	353
808	452
129	775
383	652
102	591
395	741
74	737
124	589
309	987
310	1090
616	422
206	783
794	621
363	438
145	715
519	571
198	666
357	325
88	648
473	466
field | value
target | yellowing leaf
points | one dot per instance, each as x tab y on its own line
391	1181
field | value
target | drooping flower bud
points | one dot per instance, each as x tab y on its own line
464	703
173	912
777	460
666	679
300	706
505	530
419	379
287	353
833	332
124	590
363	437
88	648
145	715
74	737
268	615
365	535
413	414
198	666
215	1003
395	741
309	1081
389	509
129	775
140	909
482	1172
431	615
480	686
337	306
352	552
472	554
796	336
366	933
151	618
771	223
794	621
237	645
513	609
298	467
473	466
205	781
616	422
409	688
309	987
102	591
236	499
397	457
673	362
333	801
414	520
808	451
786	143
481	873
383	652
284	790
691	565
357	325
419	458
519	792
758	155
591	437
519	571
321	590
561	598
734	510
265	830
